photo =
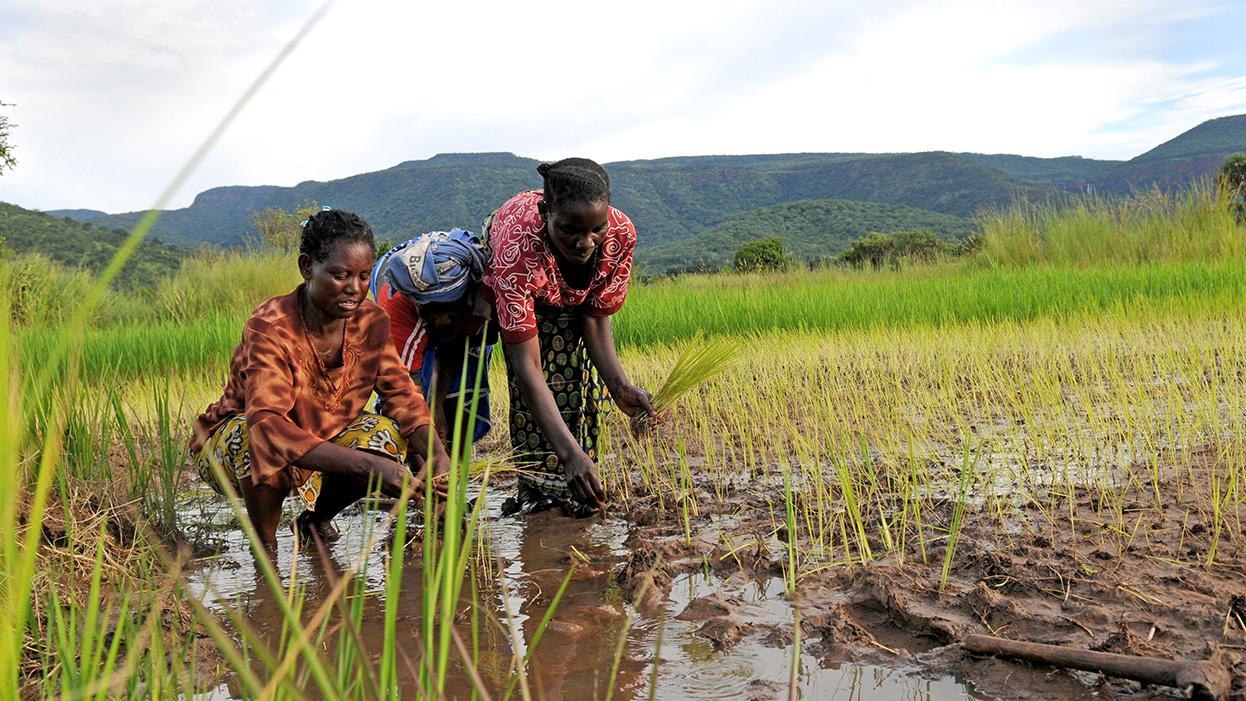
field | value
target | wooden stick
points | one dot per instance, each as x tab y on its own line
1203	680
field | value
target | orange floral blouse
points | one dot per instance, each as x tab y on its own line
291	407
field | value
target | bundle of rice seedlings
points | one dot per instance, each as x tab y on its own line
701	360
493	464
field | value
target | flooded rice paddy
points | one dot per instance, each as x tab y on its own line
673	650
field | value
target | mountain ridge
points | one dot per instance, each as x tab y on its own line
675	198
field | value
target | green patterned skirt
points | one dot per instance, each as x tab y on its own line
577	391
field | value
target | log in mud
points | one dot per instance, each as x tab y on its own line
1205	680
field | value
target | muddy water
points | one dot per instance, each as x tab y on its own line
531	556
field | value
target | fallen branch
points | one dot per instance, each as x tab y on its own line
1205	680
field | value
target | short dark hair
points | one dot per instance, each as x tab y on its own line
574	180
326	227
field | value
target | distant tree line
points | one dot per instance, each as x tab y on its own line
874	251
1233	180
879	251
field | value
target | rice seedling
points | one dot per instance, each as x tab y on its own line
793	564
700	360
963	485
687	498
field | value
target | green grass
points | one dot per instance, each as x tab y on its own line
1197	224
952	294
741	305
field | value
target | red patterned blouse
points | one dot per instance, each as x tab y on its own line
523	272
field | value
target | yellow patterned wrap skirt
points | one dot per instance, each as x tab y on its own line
228	444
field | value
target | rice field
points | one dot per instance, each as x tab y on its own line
1049	447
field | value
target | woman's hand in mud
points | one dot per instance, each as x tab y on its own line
420	459
440	484
582	481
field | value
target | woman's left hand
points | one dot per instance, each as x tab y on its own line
638	404
436	468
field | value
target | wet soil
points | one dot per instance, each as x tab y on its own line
710	606
1128	575
738	648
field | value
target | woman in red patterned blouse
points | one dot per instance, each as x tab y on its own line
562	260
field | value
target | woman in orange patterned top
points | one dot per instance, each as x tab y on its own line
293	417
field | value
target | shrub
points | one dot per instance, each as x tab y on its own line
875	250
768	254
279	228
1233	181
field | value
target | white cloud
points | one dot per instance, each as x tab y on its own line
110	101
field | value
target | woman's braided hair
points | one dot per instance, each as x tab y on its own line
326	227
574	180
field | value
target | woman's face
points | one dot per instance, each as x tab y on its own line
338	284
577	228
442	318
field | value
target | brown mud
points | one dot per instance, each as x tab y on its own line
711	604
1072	577
696	658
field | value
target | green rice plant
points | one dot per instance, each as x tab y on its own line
836	301
1223	497
789	511
884	528
700	361
388	674
852	509
687	500
170	459
967	469
446	559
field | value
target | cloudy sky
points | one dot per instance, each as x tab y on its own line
111	97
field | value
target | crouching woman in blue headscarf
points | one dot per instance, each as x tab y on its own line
429	287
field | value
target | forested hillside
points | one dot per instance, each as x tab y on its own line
82	245
811	229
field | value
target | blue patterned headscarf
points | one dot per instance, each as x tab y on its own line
440	266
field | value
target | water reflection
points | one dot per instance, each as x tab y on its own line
527	558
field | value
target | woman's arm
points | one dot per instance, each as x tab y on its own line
441	380
599	339
402	401
448	369
335	459
525	359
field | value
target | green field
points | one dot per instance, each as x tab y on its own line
1087	356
